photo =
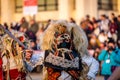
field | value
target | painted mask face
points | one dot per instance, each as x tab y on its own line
63	41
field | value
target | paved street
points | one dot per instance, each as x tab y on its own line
99	78
38	76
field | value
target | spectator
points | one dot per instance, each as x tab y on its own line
96	28
39	35
94	42
17	27
11	26
40	31
31	35
117	55
24	23
102	36
6	25
94	19
113	17
83	25
33	26
107	56
117	60
104	23
72	20
102	46
91	50
88	18
118	30
89	30
96	53
113	29
33	45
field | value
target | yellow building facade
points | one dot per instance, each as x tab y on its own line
62	9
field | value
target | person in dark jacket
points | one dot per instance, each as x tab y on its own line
118	30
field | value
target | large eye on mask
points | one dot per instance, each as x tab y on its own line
67	38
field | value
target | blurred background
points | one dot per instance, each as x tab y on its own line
100	19
12	10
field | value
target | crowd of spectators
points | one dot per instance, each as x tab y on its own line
103	35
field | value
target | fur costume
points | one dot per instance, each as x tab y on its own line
64	44
12	55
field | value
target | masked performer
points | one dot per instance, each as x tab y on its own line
66	56
12	57
64	44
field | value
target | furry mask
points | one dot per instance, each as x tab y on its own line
76	33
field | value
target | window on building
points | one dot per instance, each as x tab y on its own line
74	3
107	4
18	5
43	5
46	5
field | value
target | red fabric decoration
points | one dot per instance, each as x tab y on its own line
21	38
53	75
15	75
